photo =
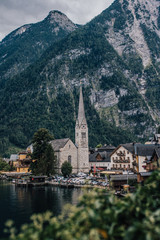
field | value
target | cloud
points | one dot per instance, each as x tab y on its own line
15	13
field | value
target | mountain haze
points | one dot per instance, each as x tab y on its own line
116	56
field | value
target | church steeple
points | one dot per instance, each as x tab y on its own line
81	114
81	137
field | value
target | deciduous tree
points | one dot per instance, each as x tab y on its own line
66	169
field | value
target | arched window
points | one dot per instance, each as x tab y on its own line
69	159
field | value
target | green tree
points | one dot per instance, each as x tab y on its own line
43	153
66	169
99	145
4	166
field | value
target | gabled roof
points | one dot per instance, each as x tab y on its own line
105	157
144	150
13	157
106	148
127	146
157	150
57	144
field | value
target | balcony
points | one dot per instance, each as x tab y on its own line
122	161
22	166
121	154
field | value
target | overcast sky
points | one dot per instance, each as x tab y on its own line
15	13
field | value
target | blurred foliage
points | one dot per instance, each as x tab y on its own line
101	215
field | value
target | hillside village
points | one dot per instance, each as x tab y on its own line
134	161
80	122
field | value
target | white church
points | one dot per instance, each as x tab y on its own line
76	154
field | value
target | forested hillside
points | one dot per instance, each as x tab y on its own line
116	56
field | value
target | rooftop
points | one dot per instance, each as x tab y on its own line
57	144
144	150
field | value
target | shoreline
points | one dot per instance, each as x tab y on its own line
74	185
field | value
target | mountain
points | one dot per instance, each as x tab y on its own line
26	44
116	56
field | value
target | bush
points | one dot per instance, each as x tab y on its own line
66	169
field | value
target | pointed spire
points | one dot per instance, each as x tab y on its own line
81	113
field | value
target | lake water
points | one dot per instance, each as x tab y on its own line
19	204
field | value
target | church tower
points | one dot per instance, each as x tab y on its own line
81	137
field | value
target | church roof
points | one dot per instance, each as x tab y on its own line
81	114
57	144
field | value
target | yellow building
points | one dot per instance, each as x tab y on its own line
24	161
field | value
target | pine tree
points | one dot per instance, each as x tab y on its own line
43	153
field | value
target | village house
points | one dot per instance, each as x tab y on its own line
154	162
151	164
100	159
122	158
21	161
24	162
143	153
13	161
146	159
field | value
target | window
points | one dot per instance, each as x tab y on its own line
83	135
69	159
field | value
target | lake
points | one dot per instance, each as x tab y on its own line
19	203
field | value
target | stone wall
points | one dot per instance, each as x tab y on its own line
68	150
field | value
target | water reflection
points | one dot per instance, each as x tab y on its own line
20	203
